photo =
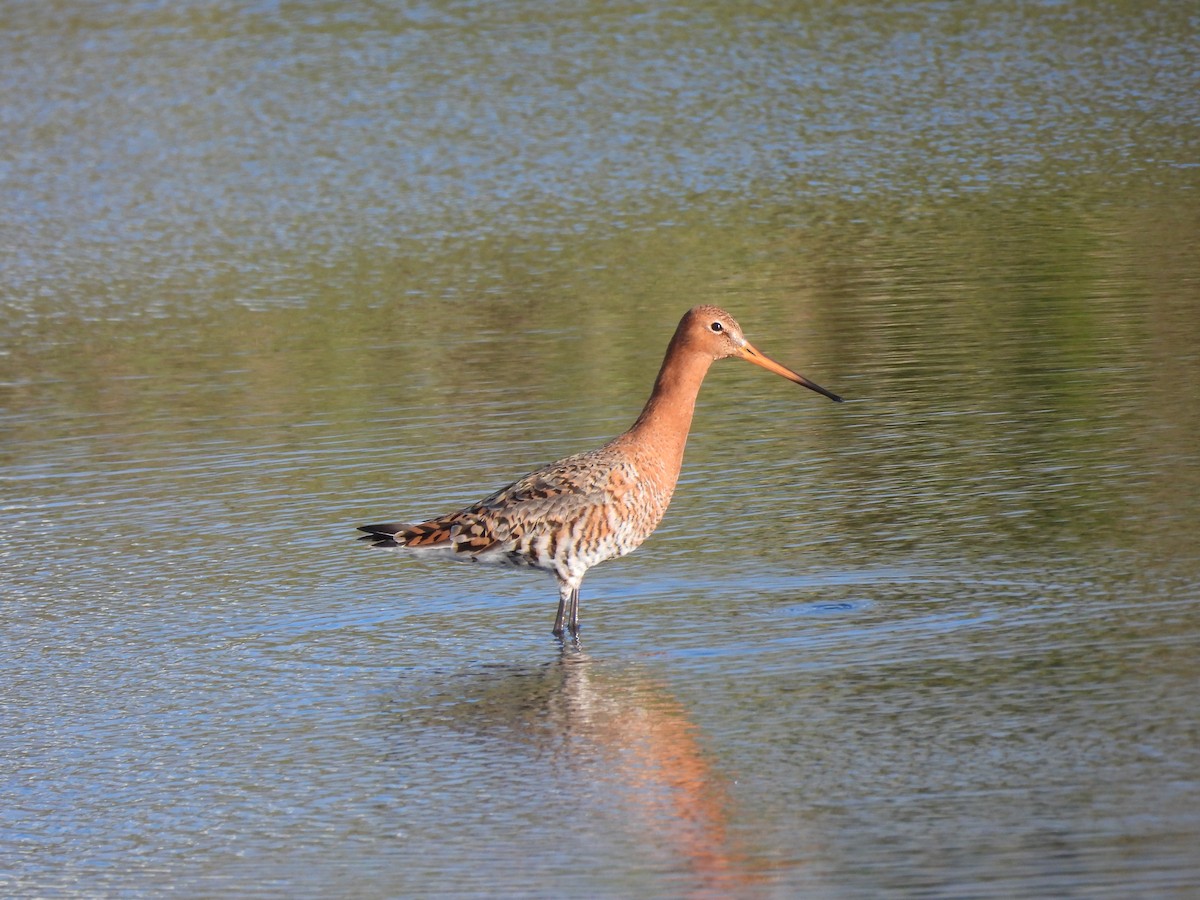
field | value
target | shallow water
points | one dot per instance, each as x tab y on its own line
270	272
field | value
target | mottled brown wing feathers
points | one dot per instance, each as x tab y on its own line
460	531
558	490
473	535
427	534
549	499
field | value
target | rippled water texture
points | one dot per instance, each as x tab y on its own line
269	271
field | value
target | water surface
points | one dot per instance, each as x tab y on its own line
269	272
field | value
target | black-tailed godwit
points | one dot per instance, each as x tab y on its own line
580	511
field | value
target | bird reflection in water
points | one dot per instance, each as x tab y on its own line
622	734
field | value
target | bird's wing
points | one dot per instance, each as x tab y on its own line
553	496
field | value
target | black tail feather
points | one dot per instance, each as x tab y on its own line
381	535
383	530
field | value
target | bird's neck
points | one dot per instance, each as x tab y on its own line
662	428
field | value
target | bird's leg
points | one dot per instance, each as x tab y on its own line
574	612
565	592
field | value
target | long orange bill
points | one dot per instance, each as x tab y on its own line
751	355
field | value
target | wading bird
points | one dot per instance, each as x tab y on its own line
582	510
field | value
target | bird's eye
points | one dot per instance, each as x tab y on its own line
717	327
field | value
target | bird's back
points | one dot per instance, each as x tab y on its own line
564	517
